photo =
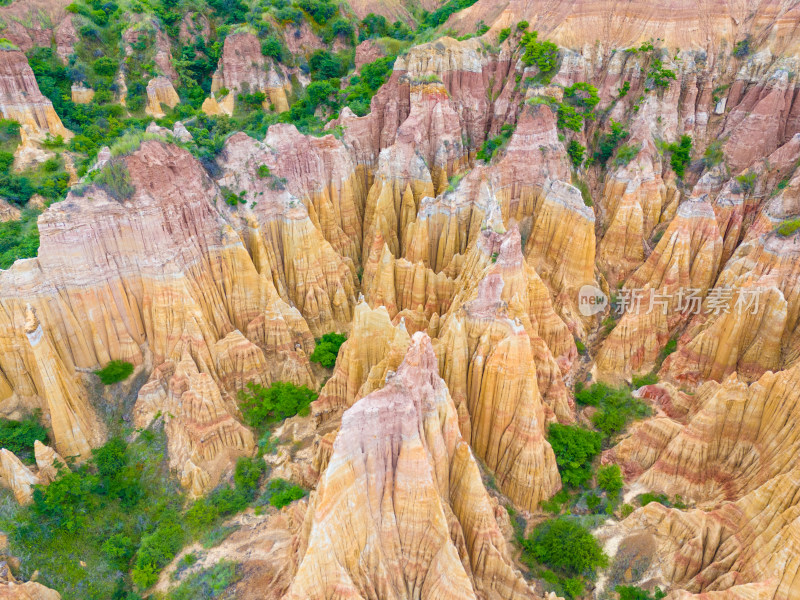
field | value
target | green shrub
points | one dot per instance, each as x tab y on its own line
105	67
742	48
263	171
441	14
608	142
747	181
659	74
626	153
114	372
576	152
626	510
522	25
575	449
492	145
680	155
642	380
247	475
554	504
504	33
714	154
280	493
617	407
327	349
262	406
155	552
119	549
565	546
581	347
582	95
623	91
206	584
115	180
569	118
788	228
649	497
19	436
273	47
629	592
669	348
609	479
542	54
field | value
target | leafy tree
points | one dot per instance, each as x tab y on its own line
569	118
575	448
681	154
262	406
19	436
114	372
609	141
273	47
327	349
582	95
280	492
504	33
325	65
660	75
247	475
565	546
542	54
609	479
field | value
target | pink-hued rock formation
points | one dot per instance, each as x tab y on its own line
401	509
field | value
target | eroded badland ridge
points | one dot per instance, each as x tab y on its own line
393	300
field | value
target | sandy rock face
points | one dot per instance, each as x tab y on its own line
686	258
21	100
17	477
8	212
403	442
81	94
243	69
160	92
27	591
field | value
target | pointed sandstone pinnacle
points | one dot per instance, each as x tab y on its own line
76	428
204	436
17	477
22	101
48	461
401	510
487	360
687	257
747	322
160	92
362	357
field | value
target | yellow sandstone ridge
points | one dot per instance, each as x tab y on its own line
160	92
17	477
243	69
686	258
363	360
48	461
401	510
